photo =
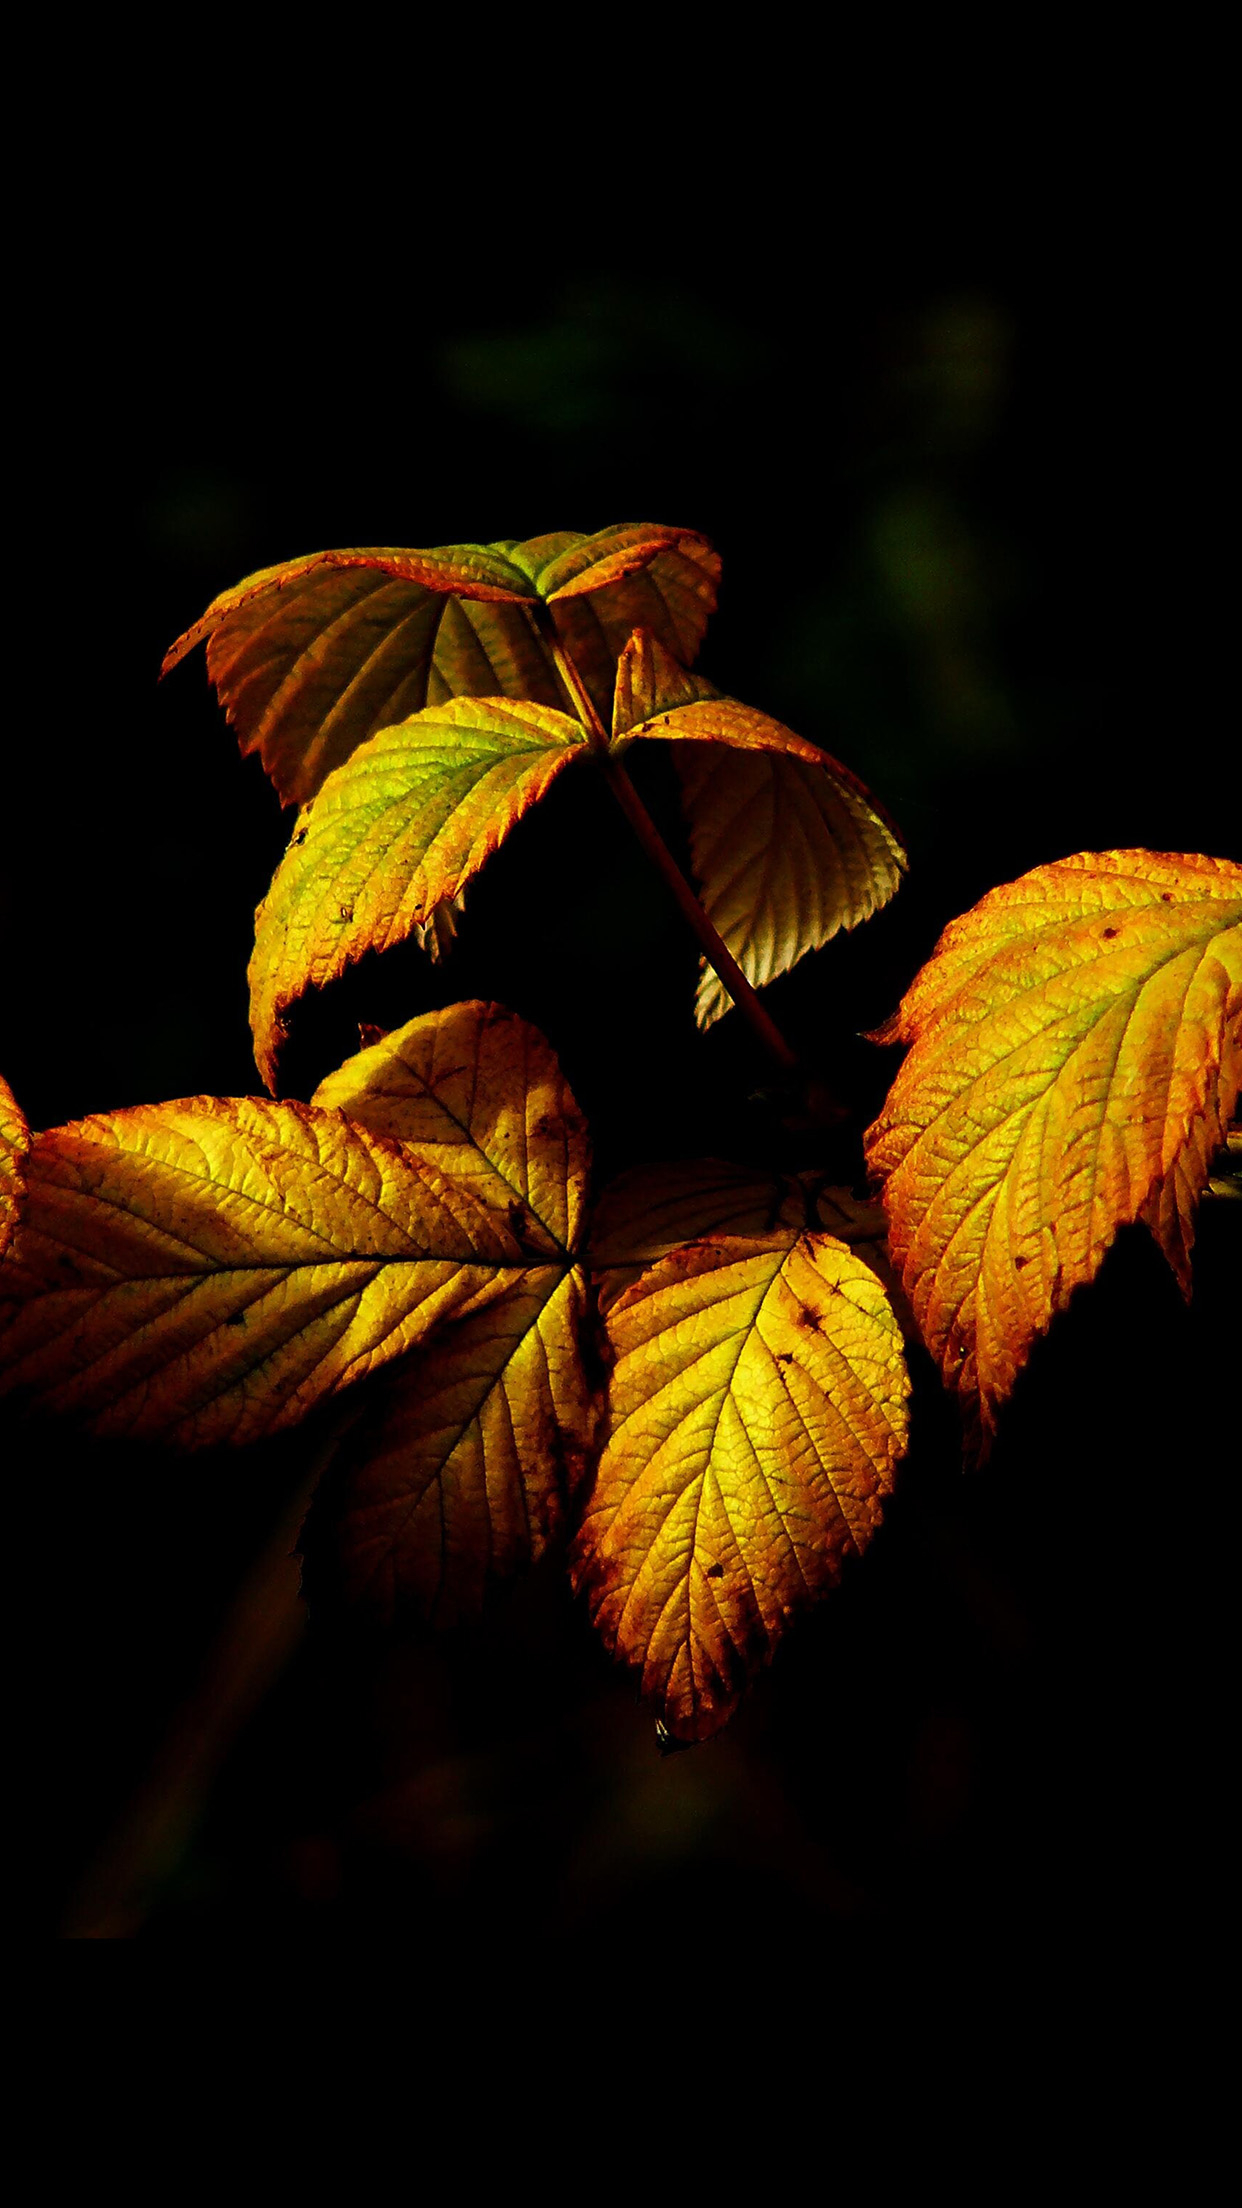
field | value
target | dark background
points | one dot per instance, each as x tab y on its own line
963	485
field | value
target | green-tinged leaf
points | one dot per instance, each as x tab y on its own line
479	1093
312	657
786	844
210	1269
395	834
1075	1051
756	1412
14	1144
461	1467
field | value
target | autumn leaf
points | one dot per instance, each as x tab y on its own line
1075	1052
479	1094
787	845
756	1412
650	1209
466	1453
393	838
14	1144
209	1270
312	657
461	1468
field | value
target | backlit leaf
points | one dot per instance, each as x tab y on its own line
394	835
756	1412
14	1144
462	1463
787	845
1075	1051
312	657
208	1270
481	1096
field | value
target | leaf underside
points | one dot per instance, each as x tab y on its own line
757	1409
1075	1049
787	846
313	657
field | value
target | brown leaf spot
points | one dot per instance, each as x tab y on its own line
715	1571
1109	932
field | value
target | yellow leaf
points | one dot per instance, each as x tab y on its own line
481	1096
460	1470
395	834
312	657
1074	1053
14	1144
786	843
210	1269
757	1409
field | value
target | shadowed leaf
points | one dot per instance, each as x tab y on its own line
756	1412
312	657
650	1209
461	1467
786	843
393	836
209	1270
1075	1051
14	1144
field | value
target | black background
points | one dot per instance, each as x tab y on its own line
962	478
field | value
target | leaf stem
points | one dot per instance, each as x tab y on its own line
716	952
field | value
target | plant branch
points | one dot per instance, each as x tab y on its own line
714	950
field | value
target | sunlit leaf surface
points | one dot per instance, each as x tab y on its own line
209	1270
393	836
1075	1050
14	1143
756	1412
786	844
312	657
480	1094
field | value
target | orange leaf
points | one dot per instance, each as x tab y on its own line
393	837
786	843
1075	1051
312	657
14	1144
210	1269
756	1412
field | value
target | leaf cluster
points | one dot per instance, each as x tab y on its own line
694	1379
